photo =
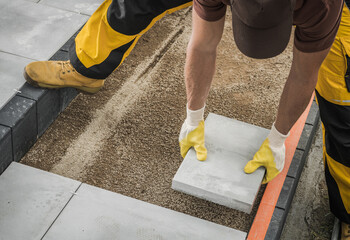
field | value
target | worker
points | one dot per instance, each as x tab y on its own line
333	98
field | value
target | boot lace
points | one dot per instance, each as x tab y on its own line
346	230
66	67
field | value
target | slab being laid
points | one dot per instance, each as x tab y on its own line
221	179
95	213
30	201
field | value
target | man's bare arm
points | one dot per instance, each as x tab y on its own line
200	59
299	87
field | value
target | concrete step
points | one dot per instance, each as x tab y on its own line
221	179
40	205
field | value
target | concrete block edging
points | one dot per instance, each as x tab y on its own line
21	127
291	181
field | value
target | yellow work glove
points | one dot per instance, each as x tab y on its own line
271	155
192	134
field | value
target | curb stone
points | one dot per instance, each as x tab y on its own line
336	230
21	127
290	184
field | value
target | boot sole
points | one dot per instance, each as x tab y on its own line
85	90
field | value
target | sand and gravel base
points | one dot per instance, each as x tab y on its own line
125	138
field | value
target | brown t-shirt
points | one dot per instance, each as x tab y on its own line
316	21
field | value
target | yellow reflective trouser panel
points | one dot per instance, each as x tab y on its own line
333	97
113	30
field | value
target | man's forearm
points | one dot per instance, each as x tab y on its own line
298	89
294	100
200	59
199	71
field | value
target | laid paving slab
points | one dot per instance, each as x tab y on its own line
221	179
87	7
35	31
35	1
94	213
11	77
30	201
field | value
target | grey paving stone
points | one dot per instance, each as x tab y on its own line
35	31
11	74
87	7
34	93
30	201
48	108
5	148
95	213
313	115
66	96
20	114
336	229
305	138
287	193
221	179
276	225
297	164
47	104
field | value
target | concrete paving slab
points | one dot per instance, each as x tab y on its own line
221	179
30	201
11	74
34	30
95	213
87	7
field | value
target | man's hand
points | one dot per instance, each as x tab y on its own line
271	155
192	134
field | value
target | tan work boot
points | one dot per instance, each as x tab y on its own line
345	231
59	74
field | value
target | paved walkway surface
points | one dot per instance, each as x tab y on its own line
309	216
47	206
35	30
